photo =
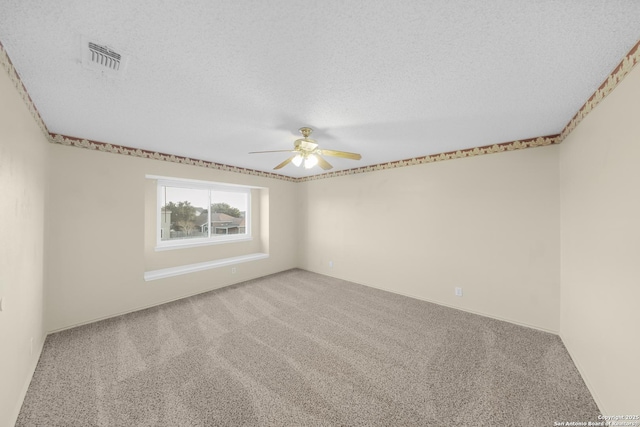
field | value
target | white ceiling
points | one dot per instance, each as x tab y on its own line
391	80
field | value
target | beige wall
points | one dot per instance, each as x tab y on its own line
600	270
488	224
100	244
23	171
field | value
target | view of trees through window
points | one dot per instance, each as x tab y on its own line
188	213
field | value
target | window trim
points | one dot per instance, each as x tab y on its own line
164	245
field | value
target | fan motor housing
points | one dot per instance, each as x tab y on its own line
307	145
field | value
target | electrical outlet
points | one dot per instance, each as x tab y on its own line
1	303
233	270
458	292
330	264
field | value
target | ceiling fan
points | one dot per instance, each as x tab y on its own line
306	150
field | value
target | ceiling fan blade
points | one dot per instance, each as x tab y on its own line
285	163
274	151
323	163
343	154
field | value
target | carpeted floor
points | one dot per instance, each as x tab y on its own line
300	349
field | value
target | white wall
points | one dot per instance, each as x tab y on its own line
23	172
488	224
102	236
600	270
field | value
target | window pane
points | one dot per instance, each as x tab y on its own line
184	213
228	212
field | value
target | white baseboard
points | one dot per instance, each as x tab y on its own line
133	310
25	386
479	313
584	376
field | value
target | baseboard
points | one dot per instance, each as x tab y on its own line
575	360
133	310
584	376
27	382
479	313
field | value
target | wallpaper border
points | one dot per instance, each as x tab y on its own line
540	141
615	77
147	154
6	63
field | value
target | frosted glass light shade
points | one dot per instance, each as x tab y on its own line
310	161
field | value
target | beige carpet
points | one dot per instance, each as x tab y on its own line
300	349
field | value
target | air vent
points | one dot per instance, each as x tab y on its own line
100	57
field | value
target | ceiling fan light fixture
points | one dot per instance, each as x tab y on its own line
297	160
306	151
310	161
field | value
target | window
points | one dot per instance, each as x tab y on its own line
194	213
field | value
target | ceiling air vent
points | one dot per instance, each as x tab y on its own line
100	57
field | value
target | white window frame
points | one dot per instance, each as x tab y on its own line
214	239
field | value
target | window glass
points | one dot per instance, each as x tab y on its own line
183	213
203	213
228	212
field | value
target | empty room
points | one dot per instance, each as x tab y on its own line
293	213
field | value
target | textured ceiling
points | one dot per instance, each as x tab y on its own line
214	80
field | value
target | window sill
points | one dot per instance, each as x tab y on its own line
201	266
171	245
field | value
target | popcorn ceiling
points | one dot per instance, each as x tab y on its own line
389	80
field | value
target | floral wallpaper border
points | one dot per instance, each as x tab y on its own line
6	63
137	152
616	76
540	141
